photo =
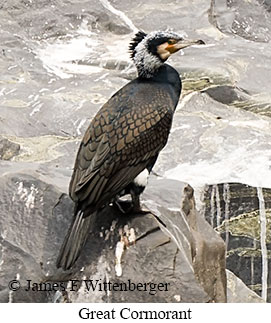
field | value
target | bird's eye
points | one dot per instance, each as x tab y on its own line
171	41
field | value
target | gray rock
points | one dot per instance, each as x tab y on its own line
237	291
233	210
34	209
171	246
206	248
8	149
226	94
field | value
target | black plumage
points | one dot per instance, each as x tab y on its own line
135	41
124	138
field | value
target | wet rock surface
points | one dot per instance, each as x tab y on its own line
61	60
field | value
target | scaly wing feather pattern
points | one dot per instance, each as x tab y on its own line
128	132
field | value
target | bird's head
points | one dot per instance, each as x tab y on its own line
150	51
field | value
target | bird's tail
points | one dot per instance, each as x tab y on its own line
74	240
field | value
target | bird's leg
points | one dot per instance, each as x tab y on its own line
135	202
122	205
136	208
126	207
132	206
118	204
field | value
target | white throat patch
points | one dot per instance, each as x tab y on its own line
146	62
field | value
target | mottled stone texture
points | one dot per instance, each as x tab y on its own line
8	149
33	215
175	247
233	210
208	252
238	292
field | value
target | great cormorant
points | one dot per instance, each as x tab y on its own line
125	137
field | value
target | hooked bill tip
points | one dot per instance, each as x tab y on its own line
200	42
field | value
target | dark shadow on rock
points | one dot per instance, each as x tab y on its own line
225	94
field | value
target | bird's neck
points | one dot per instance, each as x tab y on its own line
146	71
147	64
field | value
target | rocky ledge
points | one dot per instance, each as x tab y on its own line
170	244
